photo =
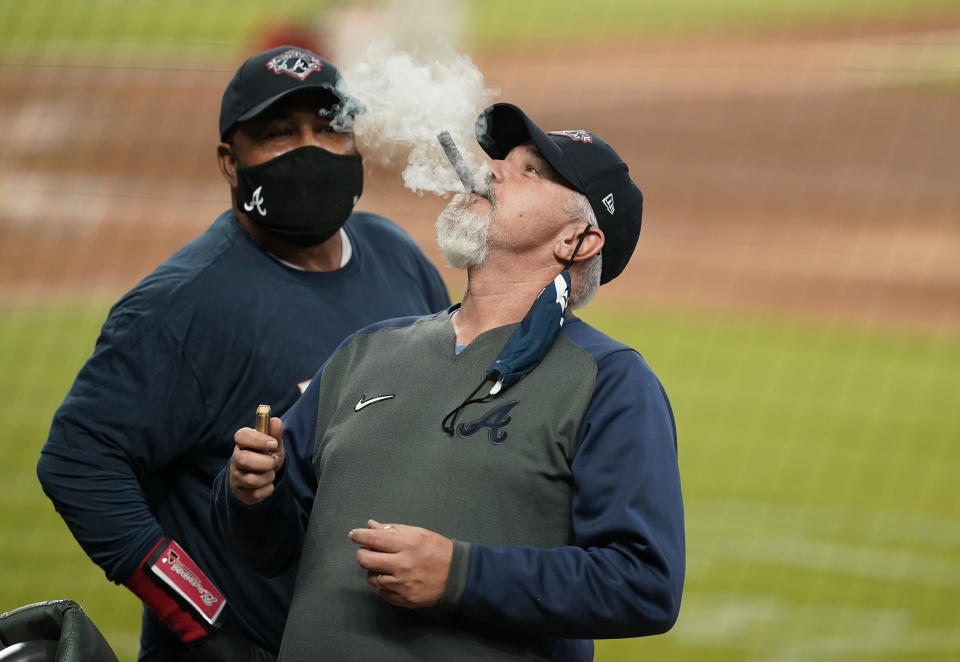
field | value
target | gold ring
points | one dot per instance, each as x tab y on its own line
378	582
390	527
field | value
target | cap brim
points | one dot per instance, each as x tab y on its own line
355	105
503	126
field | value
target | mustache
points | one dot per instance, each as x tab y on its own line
484	188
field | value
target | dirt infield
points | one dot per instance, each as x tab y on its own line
815	175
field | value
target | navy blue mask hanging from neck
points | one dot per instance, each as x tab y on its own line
531	341
528	343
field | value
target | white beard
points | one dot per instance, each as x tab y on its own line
462	233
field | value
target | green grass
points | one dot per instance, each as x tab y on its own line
148	21
198	34
212	31
502	21
818	466
818	470
41	350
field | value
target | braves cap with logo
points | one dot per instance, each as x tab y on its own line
269	76
588	165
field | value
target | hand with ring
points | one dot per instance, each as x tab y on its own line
407	565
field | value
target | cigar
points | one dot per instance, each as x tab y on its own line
263	419
456	160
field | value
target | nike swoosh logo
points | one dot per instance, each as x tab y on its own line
361	403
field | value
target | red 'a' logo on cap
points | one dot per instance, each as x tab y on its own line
295	62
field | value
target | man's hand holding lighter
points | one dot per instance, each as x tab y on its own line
257	458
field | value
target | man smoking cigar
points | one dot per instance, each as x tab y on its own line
495	482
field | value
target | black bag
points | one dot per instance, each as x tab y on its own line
54	631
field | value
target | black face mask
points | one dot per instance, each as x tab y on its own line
303	196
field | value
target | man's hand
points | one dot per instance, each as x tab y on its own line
256	459
406	564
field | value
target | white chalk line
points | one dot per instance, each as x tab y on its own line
775	630
773	627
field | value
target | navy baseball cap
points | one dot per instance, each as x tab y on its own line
588	165
269	76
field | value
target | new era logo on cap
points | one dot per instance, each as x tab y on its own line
295	62
608	203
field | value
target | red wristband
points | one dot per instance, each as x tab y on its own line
176	590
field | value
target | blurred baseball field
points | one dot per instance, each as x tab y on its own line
796	285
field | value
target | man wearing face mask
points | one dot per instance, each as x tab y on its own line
242	315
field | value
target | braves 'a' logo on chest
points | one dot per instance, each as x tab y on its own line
494	421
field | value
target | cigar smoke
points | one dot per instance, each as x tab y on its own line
409	100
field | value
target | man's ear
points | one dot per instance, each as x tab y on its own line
227	162
592	243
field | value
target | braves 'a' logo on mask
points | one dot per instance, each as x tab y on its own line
256	202
311	193
494	420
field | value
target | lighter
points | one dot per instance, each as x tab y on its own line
263	419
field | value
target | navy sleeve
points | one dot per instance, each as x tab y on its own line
436	290
114	426
624	577
269	535
396	254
